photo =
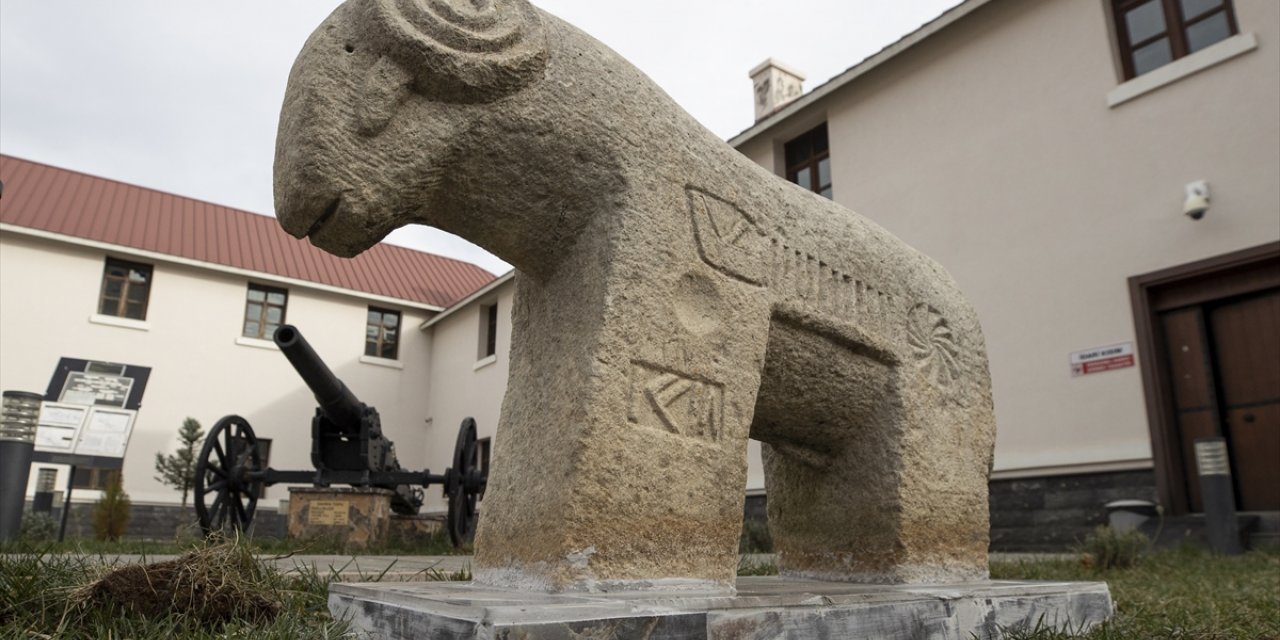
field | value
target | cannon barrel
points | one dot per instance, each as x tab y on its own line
335	399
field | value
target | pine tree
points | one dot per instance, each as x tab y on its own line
178	470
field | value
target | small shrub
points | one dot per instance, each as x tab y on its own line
111	513
748	566
1105	548
37	526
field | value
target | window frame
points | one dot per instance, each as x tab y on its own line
264	454
380	342
1175	30
49	473
262	314
93	478
487	338
121	303
484	453
811	161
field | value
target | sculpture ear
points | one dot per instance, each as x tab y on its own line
385	88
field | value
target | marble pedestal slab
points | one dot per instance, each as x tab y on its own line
763	608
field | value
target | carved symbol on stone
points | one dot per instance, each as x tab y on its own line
463	50
933	345
675	402
728	240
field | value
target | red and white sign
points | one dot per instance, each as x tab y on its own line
1099	359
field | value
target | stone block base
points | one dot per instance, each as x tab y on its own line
409	529
764	607
358	517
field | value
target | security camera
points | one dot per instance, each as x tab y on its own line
1197	202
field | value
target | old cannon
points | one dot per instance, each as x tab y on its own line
347	447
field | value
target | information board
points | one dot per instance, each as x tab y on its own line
1099	359
83	387
333	512
106	432
59	426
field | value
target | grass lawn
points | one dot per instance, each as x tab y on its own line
1184	595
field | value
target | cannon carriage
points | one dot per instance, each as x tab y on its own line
347	448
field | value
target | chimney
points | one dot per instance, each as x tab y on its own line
776	86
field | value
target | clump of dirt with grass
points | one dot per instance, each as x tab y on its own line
214	585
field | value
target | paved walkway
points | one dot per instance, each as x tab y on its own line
411	568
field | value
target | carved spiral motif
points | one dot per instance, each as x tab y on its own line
933	345
463	50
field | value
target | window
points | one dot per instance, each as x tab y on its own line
488	331
264	311
809	161
484	447
264	454
382	333
46	478
1153	33
93	478
126	287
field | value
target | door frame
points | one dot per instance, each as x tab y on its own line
1228	275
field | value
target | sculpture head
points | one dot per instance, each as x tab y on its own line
381	100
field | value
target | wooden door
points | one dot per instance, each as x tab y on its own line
1245	337
1208	335
1223	365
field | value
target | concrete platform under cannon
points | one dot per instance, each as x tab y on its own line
764	607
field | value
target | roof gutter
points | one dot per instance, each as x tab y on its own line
849	75
475	295
212	266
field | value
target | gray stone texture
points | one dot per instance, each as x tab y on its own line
673	298
764	608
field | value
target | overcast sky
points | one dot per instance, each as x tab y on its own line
183	96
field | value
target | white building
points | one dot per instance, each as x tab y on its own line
96	271
1045	153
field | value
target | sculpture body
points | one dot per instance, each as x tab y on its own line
673	299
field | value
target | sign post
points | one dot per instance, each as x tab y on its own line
82	435
88	418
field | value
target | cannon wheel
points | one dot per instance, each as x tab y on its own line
225	495
461	486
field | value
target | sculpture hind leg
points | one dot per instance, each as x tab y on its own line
877	471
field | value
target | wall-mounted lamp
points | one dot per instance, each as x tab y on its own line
1197	202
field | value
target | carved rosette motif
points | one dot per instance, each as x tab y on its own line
933	345
463	50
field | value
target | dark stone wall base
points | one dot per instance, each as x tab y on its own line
1049	514
1057	512
161	522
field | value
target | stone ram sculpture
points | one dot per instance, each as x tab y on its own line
673	299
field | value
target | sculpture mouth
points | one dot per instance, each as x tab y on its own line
324	218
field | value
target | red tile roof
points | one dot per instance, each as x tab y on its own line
54	200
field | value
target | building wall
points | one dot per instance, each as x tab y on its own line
990	146
462	383
49	291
